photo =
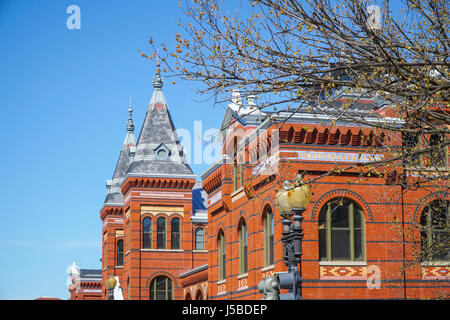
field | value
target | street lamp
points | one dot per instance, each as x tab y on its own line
291	201
110	285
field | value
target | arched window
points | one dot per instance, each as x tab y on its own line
341	231
199	295
435	231
161	288
243	252
199	239
221	250
268	237
175	233
161	233
119	253
147	233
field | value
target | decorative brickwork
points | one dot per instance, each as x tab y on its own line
342	272
436	273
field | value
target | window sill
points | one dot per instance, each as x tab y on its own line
435	264
221	282
244	275
237	191
162	250
268	268
199	251
427	169
342	263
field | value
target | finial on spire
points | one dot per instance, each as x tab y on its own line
157	79
130	123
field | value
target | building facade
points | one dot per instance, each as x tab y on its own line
153	217
360	240
84	284
167	236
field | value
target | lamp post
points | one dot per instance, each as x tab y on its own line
110	285
291	202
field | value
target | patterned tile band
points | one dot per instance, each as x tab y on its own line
343	272
436	273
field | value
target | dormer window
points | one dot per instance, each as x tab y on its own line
162	152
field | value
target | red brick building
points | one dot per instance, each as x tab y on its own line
84	284
154	211
167	237
357	228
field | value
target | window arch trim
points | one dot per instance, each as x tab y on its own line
444	195
345	227
169	287
344	193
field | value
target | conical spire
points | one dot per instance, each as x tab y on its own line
130	139
114	196
130	123
158	149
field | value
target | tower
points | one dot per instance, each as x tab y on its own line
111	213
157	192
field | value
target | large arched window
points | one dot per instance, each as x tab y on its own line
147	233
119	253
161	288
268	237
199	239
221	251
435	231
175	233
341	231
161	233
243	252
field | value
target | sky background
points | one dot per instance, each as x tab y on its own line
64	96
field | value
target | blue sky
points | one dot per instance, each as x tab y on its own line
64	96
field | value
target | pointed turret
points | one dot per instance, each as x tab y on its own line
158	150
114	196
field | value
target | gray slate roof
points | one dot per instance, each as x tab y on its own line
91	274
114	196
158	150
